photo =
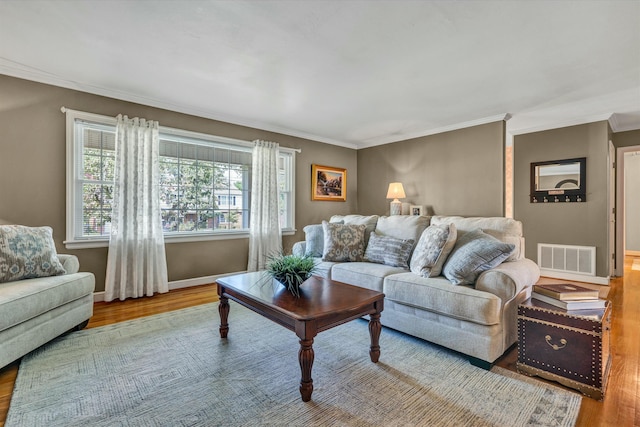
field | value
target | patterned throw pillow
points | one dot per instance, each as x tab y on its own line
432	250
388	250
342	242
27	252
314	239
474	253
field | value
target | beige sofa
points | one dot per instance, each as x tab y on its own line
477	319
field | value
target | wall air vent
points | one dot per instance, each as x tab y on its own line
567	259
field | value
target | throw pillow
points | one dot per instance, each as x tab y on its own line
27	252
342	242
474	253
388	250
314	237
432	250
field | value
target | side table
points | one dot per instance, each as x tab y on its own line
569	347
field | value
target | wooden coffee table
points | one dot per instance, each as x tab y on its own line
322	305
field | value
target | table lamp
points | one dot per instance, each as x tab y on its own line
395	192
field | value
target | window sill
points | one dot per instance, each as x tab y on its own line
103	241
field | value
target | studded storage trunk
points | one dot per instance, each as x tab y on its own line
570	347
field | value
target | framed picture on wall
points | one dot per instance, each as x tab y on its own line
328	183
417	210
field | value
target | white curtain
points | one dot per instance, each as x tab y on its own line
264	229
136	264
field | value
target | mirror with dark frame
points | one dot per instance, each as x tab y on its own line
557	181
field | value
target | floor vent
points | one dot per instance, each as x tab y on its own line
567	258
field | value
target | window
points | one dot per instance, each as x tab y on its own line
205	183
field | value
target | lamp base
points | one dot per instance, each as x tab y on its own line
396	207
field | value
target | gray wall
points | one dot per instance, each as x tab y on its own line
626	139
33	171
583	224
453	173
632	201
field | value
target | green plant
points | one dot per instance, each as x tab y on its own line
291	270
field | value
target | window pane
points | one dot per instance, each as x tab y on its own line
91	223
170	220
188	220
205	198
206	219
108	166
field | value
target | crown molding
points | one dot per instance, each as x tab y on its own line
427	132
555	124
617	126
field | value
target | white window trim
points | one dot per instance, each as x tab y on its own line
72	242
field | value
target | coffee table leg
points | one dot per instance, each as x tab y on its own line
374	331
306	363
223	309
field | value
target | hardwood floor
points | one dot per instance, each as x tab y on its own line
621	406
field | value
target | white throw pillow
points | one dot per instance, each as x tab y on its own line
432	250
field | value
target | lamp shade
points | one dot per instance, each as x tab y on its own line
396	191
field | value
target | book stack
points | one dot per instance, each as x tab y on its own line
568	296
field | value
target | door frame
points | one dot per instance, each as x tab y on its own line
620	206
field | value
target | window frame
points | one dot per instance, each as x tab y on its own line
74	200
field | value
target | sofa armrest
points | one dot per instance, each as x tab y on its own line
509	278
70	263
299	248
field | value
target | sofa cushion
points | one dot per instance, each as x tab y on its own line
25	299
388	250
474	253
438	295
402	226
432	250
343	242
27	252
507	230
364	274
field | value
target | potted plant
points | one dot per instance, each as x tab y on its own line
291	270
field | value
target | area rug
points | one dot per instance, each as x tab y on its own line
173	369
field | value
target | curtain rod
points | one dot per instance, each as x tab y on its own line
297	150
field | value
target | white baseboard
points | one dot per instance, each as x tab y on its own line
574	277
178	284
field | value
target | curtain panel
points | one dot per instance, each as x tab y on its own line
265	237
136	263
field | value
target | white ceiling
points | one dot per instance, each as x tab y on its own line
352	73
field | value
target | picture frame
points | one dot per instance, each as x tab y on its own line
328	183
417	210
